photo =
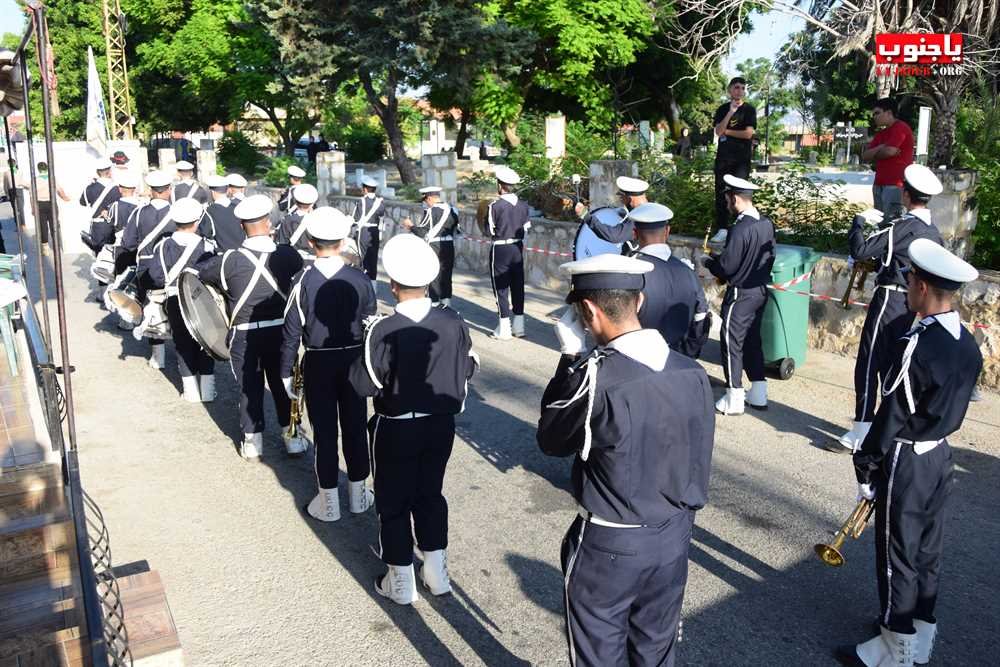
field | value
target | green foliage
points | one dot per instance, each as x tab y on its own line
237	153
363	143
528	159
408	192
686	186
276	175
765	90
987	233
583	146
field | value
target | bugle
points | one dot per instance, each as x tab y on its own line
859	274
294	425
853	527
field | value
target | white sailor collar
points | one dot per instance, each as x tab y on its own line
645	346
185	238
259	244
657	250
222	201
414	309
752	212
185	180
159	203
951	322
132	199
105	180
370	195
510	197
923	214
328	266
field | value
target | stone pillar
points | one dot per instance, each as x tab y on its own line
330	174
166	158
602	180
206	163
440	170
955	211
645	135
555	137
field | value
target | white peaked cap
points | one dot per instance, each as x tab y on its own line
184	165
296	171
158	179
327	224
941	267
430	190
507	175
738	184
102	164
236	181
216	181
651	215
185	211
410	261
253	208
305	194
923	180
126	179
369	182
631	186
607	271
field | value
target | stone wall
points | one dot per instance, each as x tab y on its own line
832	328
439	169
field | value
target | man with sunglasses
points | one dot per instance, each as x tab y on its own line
734	126
891	151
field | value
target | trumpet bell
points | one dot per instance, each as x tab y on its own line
829	555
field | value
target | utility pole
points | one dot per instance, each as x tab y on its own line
120	107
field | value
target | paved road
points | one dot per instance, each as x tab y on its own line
250	581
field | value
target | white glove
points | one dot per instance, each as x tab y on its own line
850	263
872	215
570	332
287	382
866	492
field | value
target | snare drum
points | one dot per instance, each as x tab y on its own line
123	297
588	244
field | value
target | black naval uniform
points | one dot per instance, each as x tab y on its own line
745	264
888	316
732	156
507	222
674	302
417	372
110	229
192	189
256	314
367	216
907	459
292	232
222	226
171	256
439	227
643	445
92	199
326	311
285	202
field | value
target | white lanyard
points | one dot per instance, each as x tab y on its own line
97	204
259	271
363	222
299	231
153	234
175	270
436	229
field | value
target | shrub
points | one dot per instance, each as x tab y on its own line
237	153
277	174
364	143
686	186
986	235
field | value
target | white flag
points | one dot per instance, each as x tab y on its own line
97	120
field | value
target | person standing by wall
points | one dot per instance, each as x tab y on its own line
891	151
734	126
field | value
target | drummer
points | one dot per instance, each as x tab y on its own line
220	225
292	229
632	194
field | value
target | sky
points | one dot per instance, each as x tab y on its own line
11	18
770	32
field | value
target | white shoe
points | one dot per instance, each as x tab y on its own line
359	497
207	388
886	649
517	326
732	402
720	236
434	573
435	304
757	398
192	393
398	584
158	356
295	446
252	446
446	302
926	632
502	332
852	439
326	505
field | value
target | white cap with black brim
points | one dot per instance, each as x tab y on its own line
651	216
939	267
605	272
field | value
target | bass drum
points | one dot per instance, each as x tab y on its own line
203	309
588	244
482	216
123	297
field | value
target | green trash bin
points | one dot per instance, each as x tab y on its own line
785	326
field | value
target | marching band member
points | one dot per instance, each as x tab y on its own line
416	364
181	251
100	193
888	316
150	223
107	231
237	189
632	193
905	463
186	186
295	175
326	310
673	301
507	222
639	420
255	279
438	226
745	265
292	230
220	224
367	216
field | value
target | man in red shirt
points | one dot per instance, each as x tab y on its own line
892	151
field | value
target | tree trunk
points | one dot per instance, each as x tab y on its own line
510	134
463	133
282	129
388	114
945	96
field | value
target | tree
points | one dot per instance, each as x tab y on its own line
769	97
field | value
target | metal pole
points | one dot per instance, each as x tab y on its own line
13	202
42	41
32	166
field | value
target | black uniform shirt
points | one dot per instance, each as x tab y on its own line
369	204
221	225
289	227
167	255
326	309
183	189
140	228
648	451
890	243
732	149
747	259
233	270
285	201
926	391
508	218
419	359
103	230
441	219
92	194
674	302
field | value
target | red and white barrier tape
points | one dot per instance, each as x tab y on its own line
541	251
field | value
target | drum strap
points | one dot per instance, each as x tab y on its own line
436	229
175	271
100	200
363	222
259	271
299	231
152	236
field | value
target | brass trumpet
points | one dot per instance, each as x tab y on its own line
296	411
854	526
859	274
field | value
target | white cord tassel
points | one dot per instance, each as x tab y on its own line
904	374
587	388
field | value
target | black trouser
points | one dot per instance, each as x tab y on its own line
739	169
739	339
624	588
440	288
910	501
254	355
368	241
409	457
193	359
507	273
44	220
887	320
123	260
330	397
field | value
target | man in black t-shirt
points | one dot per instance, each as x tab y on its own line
734	125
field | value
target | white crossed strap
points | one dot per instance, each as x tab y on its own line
299	231
259	271
363	222
100	200
175	271
436	229
153	235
